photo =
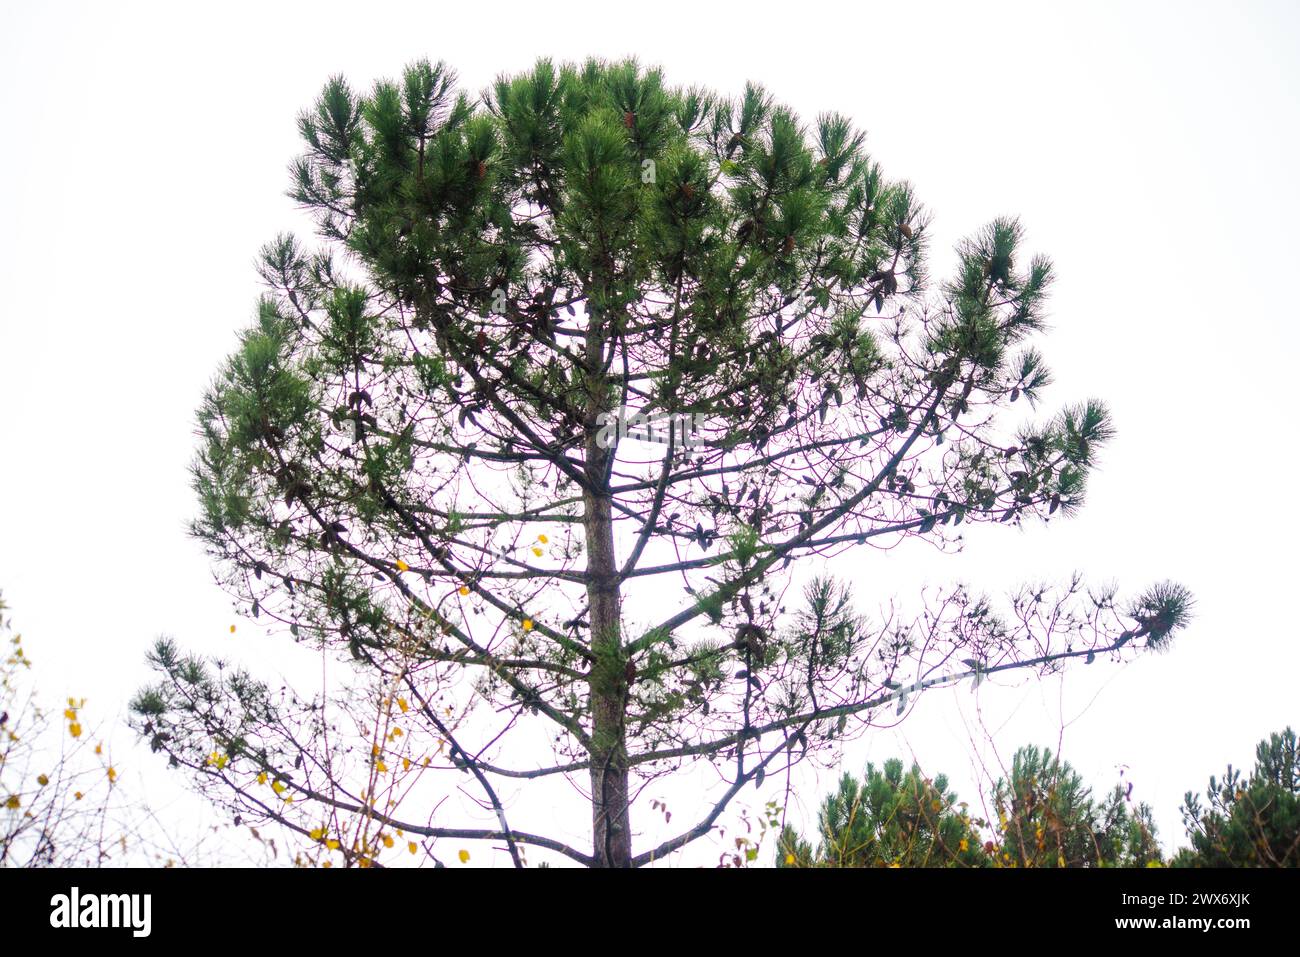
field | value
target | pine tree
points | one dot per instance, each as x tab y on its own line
889	819
578	376
1047	817
1250	821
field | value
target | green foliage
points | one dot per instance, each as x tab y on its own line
1160	611
890	818
827	628
1251	821
1048	818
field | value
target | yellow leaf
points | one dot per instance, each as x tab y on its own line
14	804
277	787
543	539
99	748
112	774
332	844
42	780
78	795
232	629
74	729
464	856
463	590
70	714
381	767
411	846
317	833
402	566
401	703
387	839
528	624
406	764
374	750
261	778
789	858
537	552
327	864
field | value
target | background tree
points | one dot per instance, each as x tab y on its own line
888	819
1252	821
1047	817
55	785
410	461
60	799
63	802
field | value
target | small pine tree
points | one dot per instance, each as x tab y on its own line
1047	817
1252	821
890	818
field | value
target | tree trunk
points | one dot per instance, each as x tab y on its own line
607	682
611	834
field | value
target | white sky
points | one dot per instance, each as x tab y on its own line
1148	148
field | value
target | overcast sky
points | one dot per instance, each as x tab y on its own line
1149	149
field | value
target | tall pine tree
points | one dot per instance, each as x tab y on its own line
578	374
